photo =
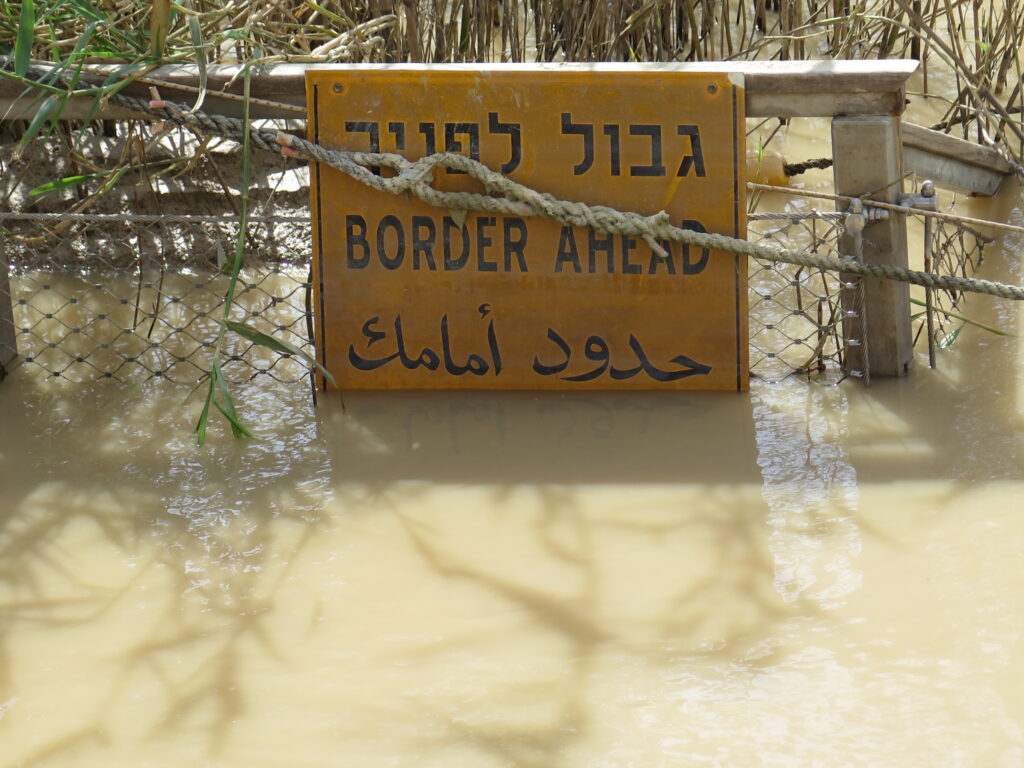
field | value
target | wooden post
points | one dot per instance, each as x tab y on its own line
8	343
868	162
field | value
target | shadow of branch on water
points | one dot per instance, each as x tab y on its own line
594	531
140	564
561	537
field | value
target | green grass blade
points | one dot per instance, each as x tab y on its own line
967	320
218	386
21	80
78	53
26	37
238	429
950	338
110	85
159	24
118	75
197	41
278	345
76	59
112	179
46	110
243	224
227	407
204	417
86	10
66	183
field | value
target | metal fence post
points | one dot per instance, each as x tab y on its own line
867	161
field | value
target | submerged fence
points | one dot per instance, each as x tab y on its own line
124	297
128	297
798	324
950	248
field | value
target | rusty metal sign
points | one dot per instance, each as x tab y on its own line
411	297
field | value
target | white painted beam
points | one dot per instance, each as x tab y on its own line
773	88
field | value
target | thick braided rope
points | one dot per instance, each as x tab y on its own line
607	220
504	196
516	199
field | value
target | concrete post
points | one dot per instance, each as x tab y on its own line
8	342
868	161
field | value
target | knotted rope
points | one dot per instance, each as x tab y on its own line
503	196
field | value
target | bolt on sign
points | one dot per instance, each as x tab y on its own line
408	296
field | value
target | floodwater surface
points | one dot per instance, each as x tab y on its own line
808	575
805	575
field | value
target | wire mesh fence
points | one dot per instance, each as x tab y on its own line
109	296
950	248
128	297
801	320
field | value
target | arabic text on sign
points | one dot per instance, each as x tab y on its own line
595	349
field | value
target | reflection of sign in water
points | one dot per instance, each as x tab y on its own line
408	296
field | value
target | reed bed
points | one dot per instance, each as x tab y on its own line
978	41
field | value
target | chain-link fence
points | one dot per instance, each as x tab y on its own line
950	248
123	297
108	296
802	321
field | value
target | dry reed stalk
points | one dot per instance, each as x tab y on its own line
983	41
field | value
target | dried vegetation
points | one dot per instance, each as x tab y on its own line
978	41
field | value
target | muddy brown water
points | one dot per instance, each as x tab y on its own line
805	575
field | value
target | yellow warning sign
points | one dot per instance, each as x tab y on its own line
408	296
